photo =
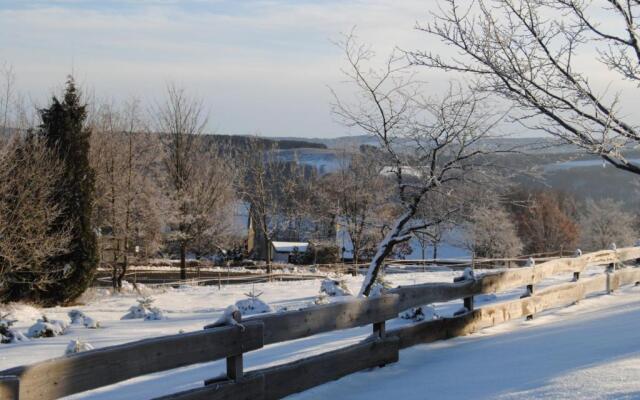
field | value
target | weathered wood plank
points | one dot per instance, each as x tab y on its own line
9	387
427	293
251	388
594	284
310	321
492	282
627	276
294	377
76	373
487	316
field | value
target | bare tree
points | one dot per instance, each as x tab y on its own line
6	95
491	233
539	54
430	144
357	193
605	222
198	180
544	221
28	174
124	157
274	190
431	209
206	204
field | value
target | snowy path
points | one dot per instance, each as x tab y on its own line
587	351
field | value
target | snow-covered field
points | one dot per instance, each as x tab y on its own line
586	351
541	358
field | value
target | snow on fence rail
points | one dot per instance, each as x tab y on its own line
84	371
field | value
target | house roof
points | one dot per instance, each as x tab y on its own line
288	247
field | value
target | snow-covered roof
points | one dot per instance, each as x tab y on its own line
406	170
288	247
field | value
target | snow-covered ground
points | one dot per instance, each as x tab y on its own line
586	351
515	359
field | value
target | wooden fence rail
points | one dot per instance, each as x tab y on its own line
76	373
93	369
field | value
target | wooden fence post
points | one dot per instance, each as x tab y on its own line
235	367
467	302
528	293
380	329
9	387
610	271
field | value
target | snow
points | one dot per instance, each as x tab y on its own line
77	346
420	313
44	328
566	353
335	287
253	305
231	316
587	351
78	317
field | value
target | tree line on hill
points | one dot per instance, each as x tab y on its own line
88	171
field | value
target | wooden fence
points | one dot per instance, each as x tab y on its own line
76	373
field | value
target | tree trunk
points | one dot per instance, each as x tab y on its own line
435	251
267	248
183	261
114	278
355	261
393	237
125	266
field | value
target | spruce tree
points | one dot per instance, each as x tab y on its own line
63	127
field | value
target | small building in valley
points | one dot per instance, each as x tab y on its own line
283	251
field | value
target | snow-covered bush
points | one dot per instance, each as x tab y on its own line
322	298
8	334
47	328
144	310
333	287
252	304
80	318
77	317
90	323
154	314
135	312
380	286
421	313
77	346
467	275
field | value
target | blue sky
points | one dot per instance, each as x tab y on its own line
261	67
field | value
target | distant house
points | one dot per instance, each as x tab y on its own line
282	251
295	231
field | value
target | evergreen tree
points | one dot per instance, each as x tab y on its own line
64	131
